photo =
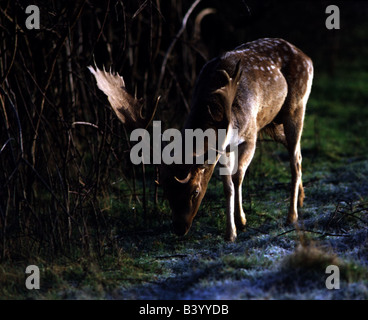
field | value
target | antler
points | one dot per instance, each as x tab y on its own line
185	180
228	92
127	108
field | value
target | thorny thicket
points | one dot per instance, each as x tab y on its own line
61	146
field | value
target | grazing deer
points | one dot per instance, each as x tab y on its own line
262	85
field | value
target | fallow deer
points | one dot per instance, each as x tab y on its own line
262	85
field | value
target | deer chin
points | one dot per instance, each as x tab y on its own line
181	221
181	229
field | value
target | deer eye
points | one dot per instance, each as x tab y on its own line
195	193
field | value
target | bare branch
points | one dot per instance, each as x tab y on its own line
168	52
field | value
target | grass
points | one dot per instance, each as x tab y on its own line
335	123
80	279
311	258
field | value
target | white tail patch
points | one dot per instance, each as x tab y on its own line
309	84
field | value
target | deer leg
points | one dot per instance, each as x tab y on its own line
293	127
235	216
246	153
277	132
229	192
301	195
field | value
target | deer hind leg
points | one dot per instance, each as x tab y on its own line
293	126
277	132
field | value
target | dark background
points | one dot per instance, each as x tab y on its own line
55	173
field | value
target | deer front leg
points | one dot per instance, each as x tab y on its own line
246	153
239	215
229	192
235	216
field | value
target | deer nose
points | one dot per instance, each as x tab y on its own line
180	228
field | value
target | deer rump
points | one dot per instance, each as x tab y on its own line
264	86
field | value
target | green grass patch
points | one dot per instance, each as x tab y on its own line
81	279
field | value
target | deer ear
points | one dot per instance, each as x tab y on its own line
227	93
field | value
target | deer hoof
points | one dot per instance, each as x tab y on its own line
231	237
240	223
292	219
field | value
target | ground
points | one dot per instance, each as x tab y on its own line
274	261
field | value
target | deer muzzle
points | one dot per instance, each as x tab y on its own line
181	227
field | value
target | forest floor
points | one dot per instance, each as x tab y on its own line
272	260
269	260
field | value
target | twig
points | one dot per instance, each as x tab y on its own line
87	124
52	193
5	144
144	4
18	121
6	73
313	231
171	256
50	74
168	52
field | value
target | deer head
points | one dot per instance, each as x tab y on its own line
184	195
185	185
